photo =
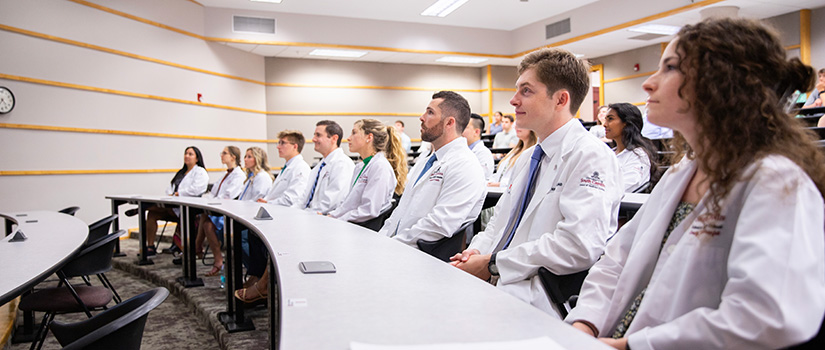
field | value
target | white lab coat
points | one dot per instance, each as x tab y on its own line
567	222
194	183
635	167
256	187
504	173
232	185
288	188
485	158
371	193
333	183
751	278
449	195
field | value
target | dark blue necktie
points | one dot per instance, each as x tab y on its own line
312	192
426	167
515	220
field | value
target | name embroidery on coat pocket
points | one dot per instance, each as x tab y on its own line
707	226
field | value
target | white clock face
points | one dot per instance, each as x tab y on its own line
6	100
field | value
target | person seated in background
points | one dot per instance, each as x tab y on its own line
229	187
737	259
815	99
598	129
406	143
288	188
447	189
563	202
257	184
378	176
495	127
526	139
507	138
623	125
328	183
473	135
190	181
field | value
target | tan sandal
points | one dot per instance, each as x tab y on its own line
216	270
240	294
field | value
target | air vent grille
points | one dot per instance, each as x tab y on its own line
558	28
253	25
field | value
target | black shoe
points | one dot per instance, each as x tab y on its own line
131	212
171	250
177	261
150	251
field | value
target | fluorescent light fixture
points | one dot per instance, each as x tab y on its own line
461	59
442	8
338	53
269	1
661	29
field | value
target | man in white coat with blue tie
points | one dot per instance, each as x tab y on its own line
329	181
447	190
562	204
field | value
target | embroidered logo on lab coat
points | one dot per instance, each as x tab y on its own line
436	176
707	226
592	181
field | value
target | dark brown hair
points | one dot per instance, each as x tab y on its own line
293	136
737	80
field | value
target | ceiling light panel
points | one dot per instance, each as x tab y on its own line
337	53
442	8
661	29
461	59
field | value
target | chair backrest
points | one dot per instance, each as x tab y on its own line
100	229
377	222
69	210
93	259
120	327
562	289
446	247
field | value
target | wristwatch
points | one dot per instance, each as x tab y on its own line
491	266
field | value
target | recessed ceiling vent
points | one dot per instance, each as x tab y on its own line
556	29
258	25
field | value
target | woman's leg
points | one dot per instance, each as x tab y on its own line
214	244
153	214
203	220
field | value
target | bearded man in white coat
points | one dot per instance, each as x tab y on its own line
562	204
447	189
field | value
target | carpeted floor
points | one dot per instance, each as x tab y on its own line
188	317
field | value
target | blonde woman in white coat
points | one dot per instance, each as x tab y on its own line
258	179
729	250
190	181
229	187
374	179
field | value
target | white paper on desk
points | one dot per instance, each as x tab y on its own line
543	343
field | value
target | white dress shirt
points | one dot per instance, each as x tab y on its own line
333	183
230	186
371	191
635	168
567	222
505	139
448	195
485	158
193	184
256	187
288	188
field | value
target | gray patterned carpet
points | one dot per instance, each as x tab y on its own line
186	320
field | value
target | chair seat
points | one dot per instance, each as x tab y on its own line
60	299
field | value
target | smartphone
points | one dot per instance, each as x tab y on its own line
316	267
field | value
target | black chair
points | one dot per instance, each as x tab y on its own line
377	222
562	290
69	210
120	327
446	247
67	298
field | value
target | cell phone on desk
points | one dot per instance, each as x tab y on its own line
316	267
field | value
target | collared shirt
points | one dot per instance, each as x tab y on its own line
193	184
485	158
256	186
448	195
288	188
333	183
635	168
230	186
505	139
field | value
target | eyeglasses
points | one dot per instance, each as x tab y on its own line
282	142
223	153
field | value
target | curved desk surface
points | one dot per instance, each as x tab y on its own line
383	292
52	238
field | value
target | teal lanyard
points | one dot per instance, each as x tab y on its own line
366	161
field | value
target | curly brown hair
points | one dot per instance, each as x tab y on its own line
737	79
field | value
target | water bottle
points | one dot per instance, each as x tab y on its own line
223	278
